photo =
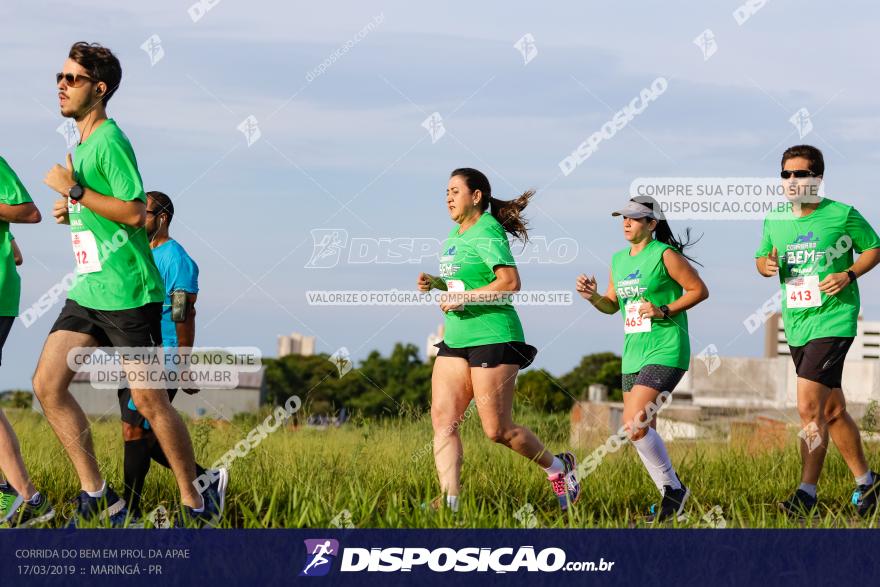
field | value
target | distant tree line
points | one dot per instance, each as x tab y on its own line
16	398
401	382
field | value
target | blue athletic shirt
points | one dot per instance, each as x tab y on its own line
178	271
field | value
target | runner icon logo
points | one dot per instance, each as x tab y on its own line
328	244
806	238
320	553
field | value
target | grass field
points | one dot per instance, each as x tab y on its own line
378	474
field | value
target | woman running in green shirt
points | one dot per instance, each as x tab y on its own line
652	284
483	347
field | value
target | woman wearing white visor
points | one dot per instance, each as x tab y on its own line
652	284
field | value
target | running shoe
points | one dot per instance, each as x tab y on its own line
217	489
865	497
187	517
565	484
109	509
672	504
30	514
801	505
214	499
9	501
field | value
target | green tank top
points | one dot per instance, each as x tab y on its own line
640	278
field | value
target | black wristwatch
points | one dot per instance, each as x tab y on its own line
75	193
852	276
665	310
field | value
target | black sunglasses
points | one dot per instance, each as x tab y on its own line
799	173
72	79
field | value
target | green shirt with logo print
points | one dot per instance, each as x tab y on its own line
643	277
468	262
812	247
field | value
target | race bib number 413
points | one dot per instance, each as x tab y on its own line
633	322
803	292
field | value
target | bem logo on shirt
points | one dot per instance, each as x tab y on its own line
802	256
629	286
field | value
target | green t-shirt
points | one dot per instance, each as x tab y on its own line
12	193
125	275
641	278
468	261
811	247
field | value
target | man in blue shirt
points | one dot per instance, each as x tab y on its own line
180	274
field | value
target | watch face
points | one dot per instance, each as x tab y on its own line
76	192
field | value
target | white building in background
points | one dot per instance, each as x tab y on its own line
769	383
217	404
296	344
433	338
866	345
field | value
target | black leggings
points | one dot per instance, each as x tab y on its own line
659	377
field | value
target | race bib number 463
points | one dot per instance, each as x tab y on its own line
803	292
85	251
633	322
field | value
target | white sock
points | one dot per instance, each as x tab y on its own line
200	509
556	467
808	488
100	492
452	502
658	481
866	479
655	458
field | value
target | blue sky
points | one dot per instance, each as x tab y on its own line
353	135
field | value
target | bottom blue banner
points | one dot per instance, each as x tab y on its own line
399	557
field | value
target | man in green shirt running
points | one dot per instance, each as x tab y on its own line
809	245
117	297
21	505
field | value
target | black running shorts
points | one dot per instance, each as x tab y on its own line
491	355
137	327
821	359
5	327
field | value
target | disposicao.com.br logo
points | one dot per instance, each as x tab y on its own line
442	560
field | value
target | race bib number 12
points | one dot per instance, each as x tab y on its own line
803	292
85	251
633	322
